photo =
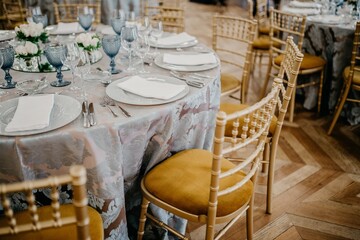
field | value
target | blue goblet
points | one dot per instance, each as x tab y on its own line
118	24
56	55
7	54
41	19
111	45
85	21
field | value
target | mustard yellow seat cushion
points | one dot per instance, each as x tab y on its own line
263	43
229	82
309	61
65	233
229	108
356	79
264	30
183	181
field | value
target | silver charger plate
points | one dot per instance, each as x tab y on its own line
194	68
65	110
116	93
6	35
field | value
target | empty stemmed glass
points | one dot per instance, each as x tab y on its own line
111	46
72	58
55	54
83	69
129	36
41	19
142	49
85	17
118	21
156	32
7	54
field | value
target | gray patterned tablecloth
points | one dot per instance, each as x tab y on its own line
117	151
334	44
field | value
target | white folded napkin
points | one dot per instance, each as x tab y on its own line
68	28
298	4
32	112
151	88
108	30
176	39
303	11
189	59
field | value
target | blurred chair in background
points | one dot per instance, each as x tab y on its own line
232	41
14	13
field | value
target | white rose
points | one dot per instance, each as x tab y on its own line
21	50
31	48
94	41
81	38
87	42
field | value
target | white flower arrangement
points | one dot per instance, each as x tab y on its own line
32	32
28	50
88	41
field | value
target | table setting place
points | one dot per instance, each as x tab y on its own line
175	63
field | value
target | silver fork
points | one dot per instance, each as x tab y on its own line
111	102
105	103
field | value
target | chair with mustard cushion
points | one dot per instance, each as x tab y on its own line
68	12
232	40
68	221
351	77
13	13
204	187
288	72
171	13
283	24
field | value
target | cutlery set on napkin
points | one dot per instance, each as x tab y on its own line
88	114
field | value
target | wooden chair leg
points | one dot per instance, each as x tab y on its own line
320	90
343	98
249	220
142	219
271	173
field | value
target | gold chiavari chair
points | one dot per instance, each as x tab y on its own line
68	221
284	24
68	11
288	72
351	77
232	39
14	13
202	186
170	12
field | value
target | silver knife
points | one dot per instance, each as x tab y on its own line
92	119
85	112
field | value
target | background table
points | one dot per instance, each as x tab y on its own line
117	151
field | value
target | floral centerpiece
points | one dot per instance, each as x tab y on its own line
32	32
88	41
27	55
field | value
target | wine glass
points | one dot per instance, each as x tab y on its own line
144	26
142	49
7	54
86	17
156	32
72	58
118	21
111	46
83	68
32	11
55	54
129	36
41	19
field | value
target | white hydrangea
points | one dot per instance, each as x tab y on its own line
28	49
30	30
87	39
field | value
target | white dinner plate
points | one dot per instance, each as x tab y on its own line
66	109
195	68
326	19
167	46
52	30
120	95
6	35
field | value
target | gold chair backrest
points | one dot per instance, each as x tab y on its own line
77	178
68	11
355	57
170	12
14	12
232	40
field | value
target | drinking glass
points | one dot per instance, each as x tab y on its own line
156	32
144	26
32	11
55	54
129	36
72	58
118	21
41	19
142	49
83	69
7	54
111	46
86	17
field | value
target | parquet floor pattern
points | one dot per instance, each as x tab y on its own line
317	179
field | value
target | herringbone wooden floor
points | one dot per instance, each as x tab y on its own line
317	178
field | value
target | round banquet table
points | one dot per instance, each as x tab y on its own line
117	151
333	42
